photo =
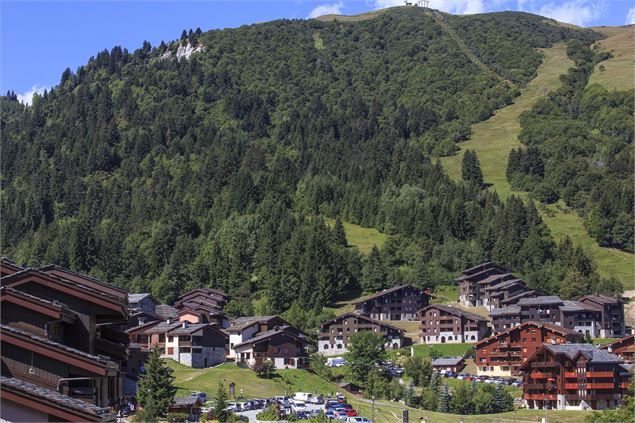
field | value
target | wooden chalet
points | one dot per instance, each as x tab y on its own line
448	364
142	302
210	296
574	377
612	314
333	335
442	324
469	290
624	348
63	331
501	354
21	401
245	328
8	267
398	303
281	345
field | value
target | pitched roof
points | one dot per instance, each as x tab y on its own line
263	336
98	296
456	311
165	311
163	327
135	298
602	299
549	326
542	300
492	278
576	306
627	338
483	273
361	317
61	308
504	311
145	326
514	298
188	401
84	279
244	322
187	329
55	399
56	345
592	353
388	291
447	361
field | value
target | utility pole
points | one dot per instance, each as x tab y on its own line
372	400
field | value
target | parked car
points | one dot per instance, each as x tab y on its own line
329	414
341	414
298	406
330	403
234	407
358	419
202	396
317	399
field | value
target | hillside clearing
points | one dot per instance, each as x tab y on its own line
617	72
361	237
494	138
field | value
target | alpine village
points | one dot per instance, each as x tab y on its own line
404	215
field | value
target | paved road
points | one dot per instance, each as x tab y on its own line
251	414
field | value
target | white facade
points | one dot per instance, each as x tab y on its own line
241	336
193	356
327	349
450	338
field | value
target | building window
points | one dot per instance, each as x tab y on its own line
170	350
170	339
326	347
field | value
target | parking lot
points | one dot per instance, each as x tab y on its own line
251	414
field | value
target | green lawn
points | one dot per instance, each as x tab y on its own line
206	380
361	237
602	341
446	350
444	294
494	138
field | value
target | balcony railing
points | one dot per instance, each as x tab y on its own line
542	397
571	375
570	386
599	374
604	385
541	375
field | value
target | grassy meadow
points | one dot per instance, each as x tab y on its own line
494	138
618	72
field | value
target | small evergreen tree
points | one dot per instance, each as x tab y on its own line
266	370
471	168
444	399
503	400
434	382
156	390
338	233
462	401
409	395
221	403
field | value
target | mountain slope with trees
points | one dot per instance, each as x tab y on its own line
219	169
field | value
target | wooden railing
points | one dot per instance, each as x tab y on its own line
551	397
599	374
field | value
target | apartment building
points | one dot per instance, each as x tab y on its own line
398	303
442	324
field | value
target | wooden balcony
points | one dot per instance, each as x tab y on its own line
542	375
603	385
543	364
540	397
571	375
570	386
537	386
599	374
625	385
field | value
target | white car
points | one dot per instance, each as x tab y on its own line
298	406
358	419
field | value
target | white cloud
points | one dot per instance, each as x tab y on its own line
27	97
630	16
459	7
327	9
577	12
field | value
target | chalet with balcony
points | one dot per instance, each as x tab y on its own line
612	318
573	377
501	354
469	290
442	324
333	336
198	345
63	331
245	328
398	303
212	297
448	364
624	348
142	302
575	315
22	401
281	345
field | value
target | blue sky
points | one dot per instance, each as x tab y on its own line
39	39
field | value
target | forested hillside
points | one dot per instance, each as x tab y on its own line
218	169
580	149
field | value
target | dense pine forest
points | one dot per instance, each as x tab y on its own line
162	175
580	149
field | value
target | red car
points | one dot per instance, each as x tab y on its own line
351	412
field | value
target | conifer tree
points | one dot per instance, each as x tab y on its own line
503	401
338	233
444	399
156	388
434	382
374	273
471	168
220	413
